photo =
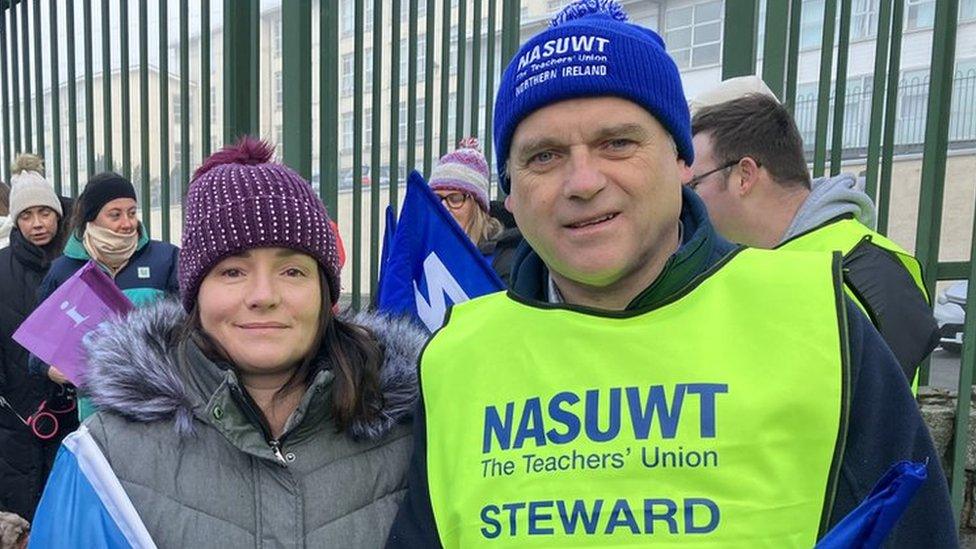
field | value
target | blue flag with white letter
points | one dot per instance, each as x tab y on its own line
867	526
430	263
84	504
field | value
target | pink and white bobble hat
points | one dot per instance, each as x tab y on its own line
465	170
239	200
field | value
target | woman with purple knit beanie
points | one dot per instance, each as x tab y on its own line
247	414
461	180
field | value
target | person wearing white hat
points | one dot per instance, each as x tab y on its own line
35	241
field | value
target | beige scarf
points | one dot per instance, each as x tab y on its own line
109	248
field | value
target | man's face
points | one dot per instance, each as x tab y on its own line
596	187
724	207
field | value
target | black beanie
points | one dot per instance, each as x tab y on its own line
102	189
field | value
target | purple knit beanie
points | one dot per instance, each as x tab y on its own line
465	170
239	200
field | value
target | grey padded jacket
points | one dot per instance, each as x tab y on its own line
198	467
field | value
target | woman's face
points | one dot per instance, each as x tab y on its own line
119	216
461	205
262	307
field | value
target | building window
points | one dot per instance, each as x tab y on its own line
279	100
421	59
694	34
553	6
348	12
347	125
811	24
967	10
349	68
177	103
368	128
402	126
919	14
864	19
421	9
403	121
276	39
348	74
913	94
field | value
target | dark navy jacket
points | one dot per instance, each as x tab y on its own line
885	425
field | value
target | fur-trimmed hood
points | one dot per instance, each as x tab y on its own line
134	368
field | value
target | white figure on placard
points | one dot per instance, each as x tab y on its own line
73	313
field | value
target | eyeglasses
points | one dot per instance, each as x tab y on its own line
454	201
697	180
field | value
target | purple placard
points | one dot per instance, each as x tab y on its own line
54	331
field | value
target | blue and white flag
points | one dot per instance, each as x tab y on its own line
867	526
84	504
431	262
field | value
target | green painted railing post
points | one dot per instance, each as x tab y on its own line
55	98
144	152
395	16
296	70
511	28
90	167
124	64
428	90
445	76
881	58
739	47
184	98
793	54
4	100
25	50
357	149
329	111
69	43
39	78
961	430
490	87
375	173
241	48
936	145
107	129
823	96
775	45
15	78
205	98
840	90
891	106
165	192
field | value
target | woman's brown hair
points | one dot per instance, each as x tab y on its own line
350	351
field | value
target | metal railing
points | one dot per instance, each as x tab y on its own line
90	99
926	113
911	114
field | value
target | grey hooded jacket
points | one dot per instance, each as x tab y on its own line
199	470
830	198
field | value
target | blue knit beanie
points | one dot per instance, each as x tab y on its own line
589	50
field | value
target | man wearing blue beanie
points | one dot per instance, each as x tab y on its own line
645	382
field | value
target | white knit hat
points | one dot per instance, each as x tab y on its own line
28	188
730	89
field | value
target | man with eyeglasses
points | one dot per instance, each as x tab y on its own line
752	176
643	383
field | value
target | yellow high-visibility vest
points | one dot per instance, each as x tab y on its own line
714	420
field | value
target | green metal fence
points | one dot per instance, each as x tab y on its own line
150	87
833	127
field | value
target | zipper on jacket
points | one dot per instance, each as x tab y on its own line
276	449
257	418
